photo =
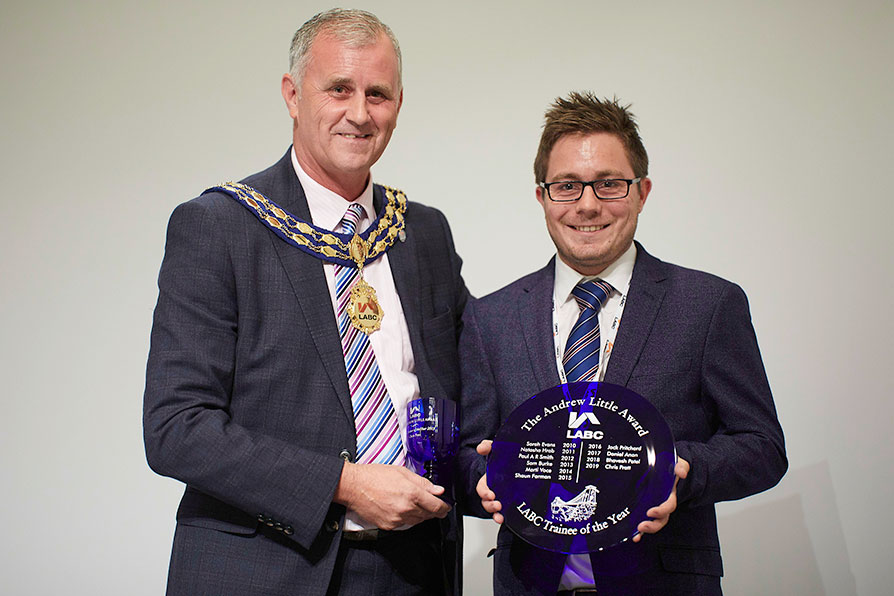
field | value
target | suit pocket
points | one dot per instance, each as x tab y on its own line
221	525
435	327
690	559
664	367
201	511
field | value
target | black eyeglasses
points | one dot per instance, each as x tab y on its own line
568	191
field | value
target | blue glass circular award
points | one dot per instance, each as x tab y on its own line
577	466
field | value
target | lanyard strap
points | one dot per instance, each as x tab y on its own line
610	334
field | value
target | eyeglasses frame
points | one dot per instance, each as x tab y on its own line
591	184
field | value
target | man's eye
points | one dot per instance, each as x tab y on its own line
339	89
609	184
567	186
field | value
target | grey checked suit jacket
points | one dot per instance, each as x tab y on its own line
685	343
246	396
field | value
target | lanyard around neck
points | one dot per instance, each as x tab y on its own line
609	334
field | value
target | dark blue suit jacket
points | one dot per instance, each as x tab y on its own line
686	343
247	400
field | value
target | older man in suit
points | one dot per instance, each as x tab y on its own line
683	339
299	312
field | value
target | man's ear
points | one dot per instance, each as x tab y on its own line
645	187
290	95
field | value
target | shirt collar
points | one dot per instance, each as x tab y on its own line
618	274
327	208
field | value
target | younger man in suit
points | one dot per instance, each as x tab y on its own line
683	339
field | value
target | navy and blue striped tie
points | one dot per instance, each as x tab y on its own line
581	358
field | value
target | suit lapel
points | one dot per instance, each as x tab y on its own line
305	273
535	316
643	301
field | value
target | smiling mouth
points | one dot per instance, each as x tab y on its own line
353	136
589	228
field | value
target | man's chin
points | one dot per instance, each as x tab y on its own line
356	163
589	263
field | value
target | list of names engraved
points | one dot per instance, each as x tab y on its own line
623	457
539	458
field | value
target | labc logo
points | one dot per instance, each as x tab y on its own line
576	420
363	306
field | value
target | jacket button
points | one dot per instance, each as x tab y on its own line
261	518
345	455
278	527
269	522
288	531
331	525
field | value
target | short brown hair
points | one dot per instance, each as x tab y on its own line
584	113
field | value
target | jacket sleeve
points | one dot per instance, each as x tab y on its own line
746	453
189	430
480	410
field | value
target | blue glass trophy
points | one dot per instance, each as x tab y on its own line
577	466
433	439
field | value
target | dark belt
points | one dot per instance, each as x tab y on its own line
426	528
578	592
363	535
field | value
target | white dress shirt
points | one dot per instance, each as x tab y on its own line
391	343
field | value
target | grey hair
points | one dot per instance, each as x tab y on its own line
357	28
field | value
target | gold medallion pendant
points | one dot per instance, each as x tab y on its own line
363	308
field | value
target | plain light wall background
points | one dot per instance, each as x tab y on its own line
769	130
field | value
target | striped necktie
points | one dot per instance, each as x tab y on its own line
378	435
581	358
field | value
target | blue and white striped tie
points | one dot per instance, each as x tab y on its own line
581	357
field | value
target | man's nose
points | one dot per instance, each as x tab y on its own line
358	112
589	201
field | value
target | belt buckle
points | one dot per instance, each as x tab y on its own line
360	535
